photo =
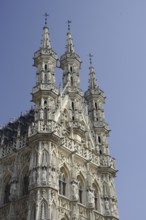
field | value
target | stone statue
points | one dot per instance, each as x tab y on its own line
90	198
106	205
41	114
34	176
13	190
75	191
44	176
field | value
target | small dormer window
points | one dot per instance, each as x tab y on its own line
99	139
46	67
45	102
95	105
72	105
70	68
71	79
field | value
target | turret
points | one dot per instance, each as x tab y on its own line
70	62
45	93
95	99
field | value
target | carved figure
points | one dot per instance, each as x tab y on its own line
13	190
106	205
34	176
41	114
44	176
75	191
90	198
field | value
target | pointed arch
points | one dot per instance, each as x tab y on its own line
105	189
81	185
7	185
45	158
63	180
65	167
24	182
81	175
95	182
44	210
96	191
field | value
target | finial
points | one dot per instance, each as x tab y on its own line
69	22
46	15
90	58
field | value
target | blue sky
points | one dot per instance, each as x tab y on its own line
114	31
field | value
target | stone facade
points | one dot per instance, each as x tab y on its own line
54	160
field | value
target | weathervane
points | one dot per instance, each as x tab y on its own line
69	22
46	15
90	58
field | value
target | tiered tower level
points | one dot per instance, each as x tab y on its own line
54	160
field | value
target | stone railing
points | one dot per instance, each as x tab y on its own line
13	146
44	87
64	206
81	150
82	211
107	161
4	211
40	127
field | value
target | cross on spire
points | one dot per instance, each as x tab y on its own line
69	22
90	58
46	15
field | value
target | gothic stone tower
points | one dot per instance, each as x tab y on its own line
54	160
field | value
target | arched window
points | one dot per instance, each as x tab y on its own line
45	103
62	182
95	105
25	184
45	78
71	79
72	104
99	139
45	115
96	197
7	192
70	68
80	193
81	189
46	66
100	152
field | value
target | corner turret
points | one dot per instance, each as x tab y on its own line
95	99
45	93
70	63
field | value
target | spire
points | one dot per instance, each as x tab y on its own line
92	79
69	46
45	43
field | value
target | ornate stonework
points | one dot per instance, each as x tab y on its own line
54	160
